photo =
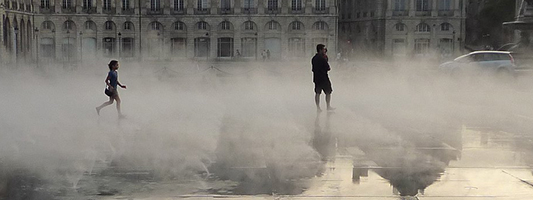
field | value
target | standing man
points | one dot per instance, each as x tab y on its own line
320	76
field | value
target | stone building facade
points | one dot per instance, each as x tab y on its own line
75	30
402	28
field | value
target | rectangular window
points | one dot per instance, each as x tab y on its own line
399	47
297	47
127	47
421	46
178	47
422	5
125	4
248	4
45	3
446	46
201	47
249	47
320	5
107	5
444	5
203	4
272	5
399	5
225	47
155	5
109	47
225	4
296	5
67	3
178	5
87	4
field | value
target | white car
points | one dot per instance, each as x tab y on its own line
499	63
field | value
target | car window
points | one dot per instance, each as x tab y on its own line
477	57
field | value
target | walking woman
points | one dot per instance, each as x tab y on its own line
111	90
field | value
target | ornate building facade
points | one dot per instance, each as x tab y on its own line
402	28
76	30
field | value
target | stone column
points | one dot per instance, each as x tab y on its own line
411	7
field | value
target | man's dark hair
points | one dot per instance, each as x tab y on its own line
111	64
319	47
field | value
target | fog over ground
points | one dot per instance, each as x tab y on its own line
183	118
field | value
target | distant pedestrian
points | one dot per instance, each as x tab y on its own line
268	54
111	90
238	53
320	76
264	55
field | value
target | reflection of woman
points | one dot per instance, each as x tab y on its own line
112	82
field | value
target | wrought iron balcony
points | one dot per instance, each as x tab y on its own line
249	10
321	11
225	11
448	13
202	11
47	10
68	10
400	13
154	11
272	11
89	10
423	13
297	11
110	10
128	11
178	12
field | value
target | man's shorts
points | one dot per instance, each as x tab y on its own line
323	86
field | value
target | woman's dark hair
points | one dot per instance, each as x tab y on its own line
112	63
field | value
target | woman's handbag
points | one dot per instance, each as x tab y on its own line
108	92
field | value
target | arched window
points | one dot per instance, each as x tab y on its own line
68	25
156	26
400	27
320	26
90	25
423	28
128	26
109	25
273	25
445	27
225	25
179	26
47	25
202	25
249	25
296	25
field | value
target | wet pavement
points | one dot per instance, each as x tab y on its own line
369	148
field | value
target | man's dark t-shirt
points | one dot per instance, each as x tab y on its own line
320	69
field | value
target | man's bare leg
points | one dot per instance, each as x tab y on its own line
328	100
317	102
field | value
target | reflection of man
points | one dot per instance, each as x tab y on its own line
320	76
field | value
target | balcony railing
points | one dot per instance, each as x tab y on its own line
321	11
225	11
69	10
47	10
110	10
297	11
249	10
178	12
448	13
89	10
154	11
423	13
202	11
400	13
272	11
128	11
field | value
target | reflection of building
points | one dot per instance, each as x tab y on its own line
523	27
402	27
162	29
